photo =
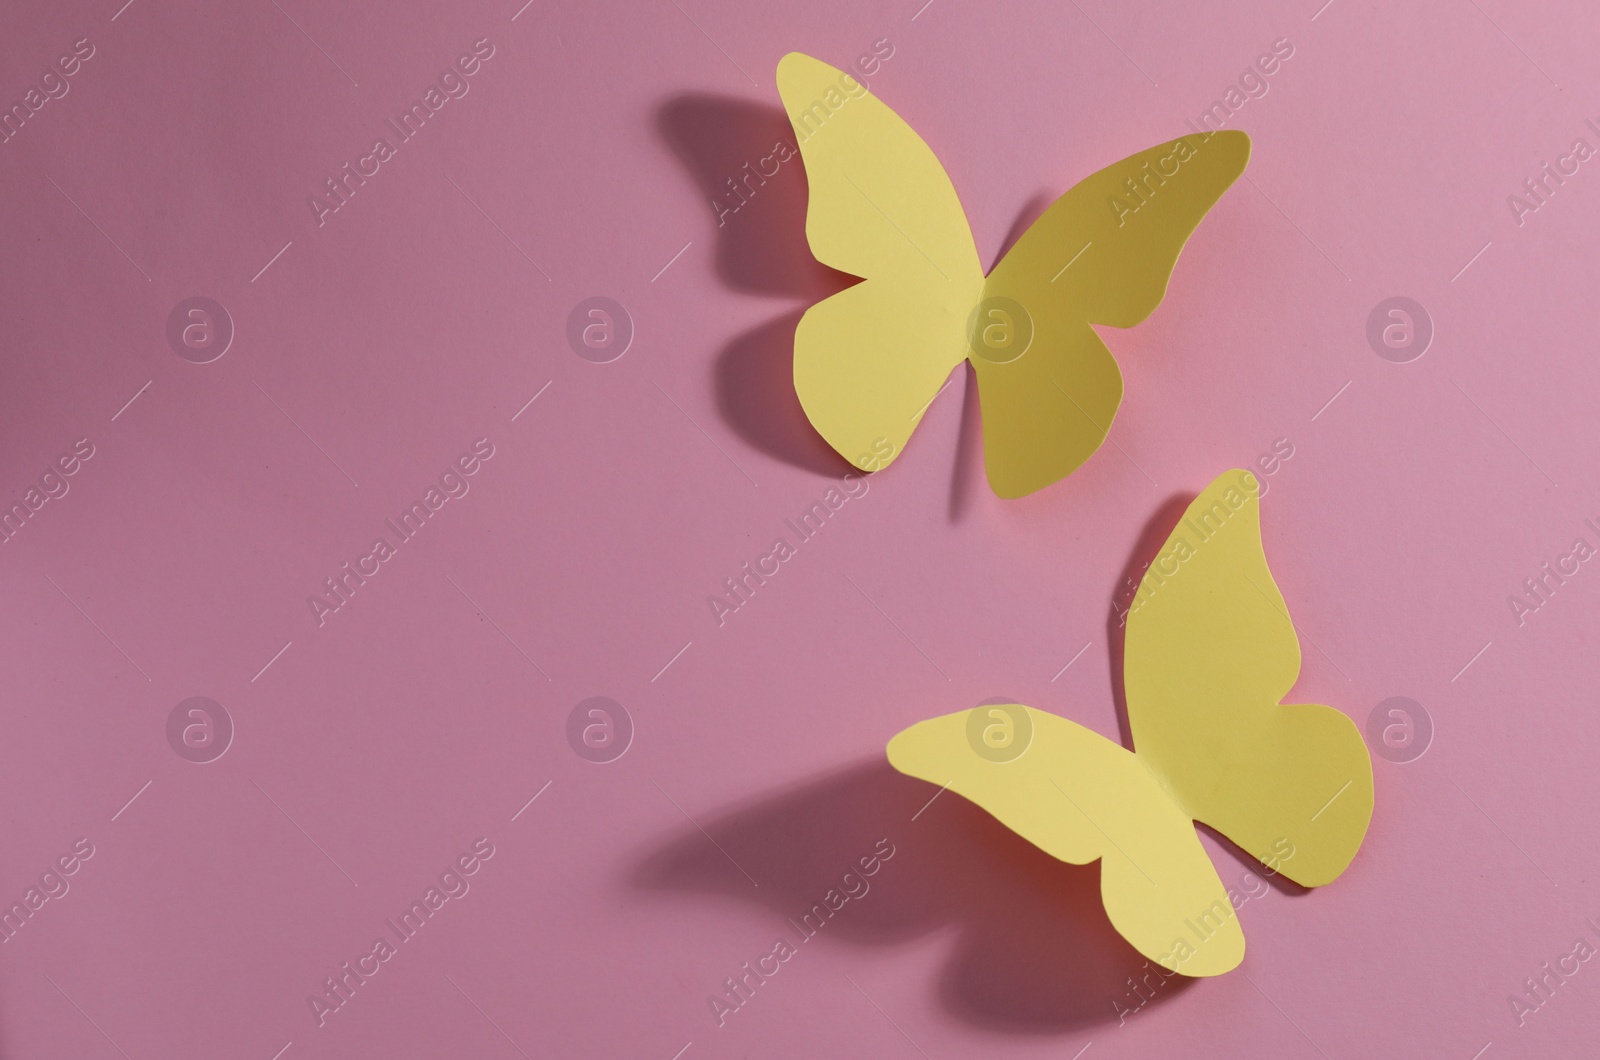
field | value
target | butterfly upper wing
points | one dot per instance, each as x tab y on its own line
1130	239
1101	254
1211	652
880	202
868	360
1080	797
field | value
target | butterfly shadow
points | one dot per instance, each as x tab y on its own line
761	249
755	396
967	473
1151	539
759	201
1032	950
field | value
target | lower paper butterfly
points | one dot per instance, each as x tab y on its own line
1210	654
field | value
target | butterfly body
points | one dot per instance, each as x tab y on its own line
870	359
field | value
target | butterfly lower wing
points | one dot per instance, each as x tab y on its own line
867	363
1211	652
1080	798
881	207
1047	411
1100	254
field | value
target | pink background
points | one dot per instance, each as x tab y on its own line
417	719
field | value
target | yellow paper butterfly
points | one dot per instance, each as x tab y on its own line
869	360
1210	653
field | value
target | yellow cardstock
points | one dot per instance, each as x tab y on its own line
1211	652
869	360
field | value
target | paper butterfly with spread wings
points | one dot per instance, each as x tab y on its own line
869	360
1210	653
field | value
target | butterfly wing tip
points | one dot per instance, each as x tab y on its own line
1245	146
1010	486
1320	876
1008	492
898	751
1217	955
1222	968
1202	965
793	63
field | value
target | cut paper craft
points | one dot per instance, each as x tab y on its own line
1211	651
869	360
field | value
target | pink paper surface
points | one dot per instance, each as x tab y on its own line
371	351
